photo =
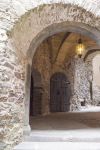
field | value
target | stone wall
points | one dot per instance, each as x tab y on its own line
16	35
95	89
41	62
12	78
96	95
81	84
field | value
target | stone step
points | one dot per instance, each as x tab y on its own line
79	135
57	146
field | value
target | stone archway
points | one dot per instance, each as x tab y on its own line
21	39
57	22
65	27
49	26
47	29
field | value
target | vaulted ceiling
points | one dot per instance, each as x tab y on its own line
62	46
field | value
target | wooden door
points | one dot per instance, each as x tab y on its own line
59	93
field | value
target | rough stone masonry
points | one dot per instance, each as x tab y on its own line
20	23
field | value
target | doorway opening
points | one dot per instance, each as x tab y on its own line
35	94
59	83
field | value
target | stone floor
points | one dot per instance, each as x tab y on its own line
66	121
83	127
78	130
57	146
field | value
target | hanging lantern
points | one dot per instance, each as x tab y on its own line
80	48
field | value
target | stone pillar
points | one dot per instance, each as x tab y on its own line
81	90
27	128
11	94
46	98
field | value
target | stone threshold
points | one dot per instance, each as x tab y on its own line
57	146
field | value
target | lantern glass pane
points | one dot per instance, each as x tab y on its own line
80	49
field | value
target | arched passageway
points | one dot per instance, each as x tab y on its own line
37	24
40	29
59	93
35	94
56	63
